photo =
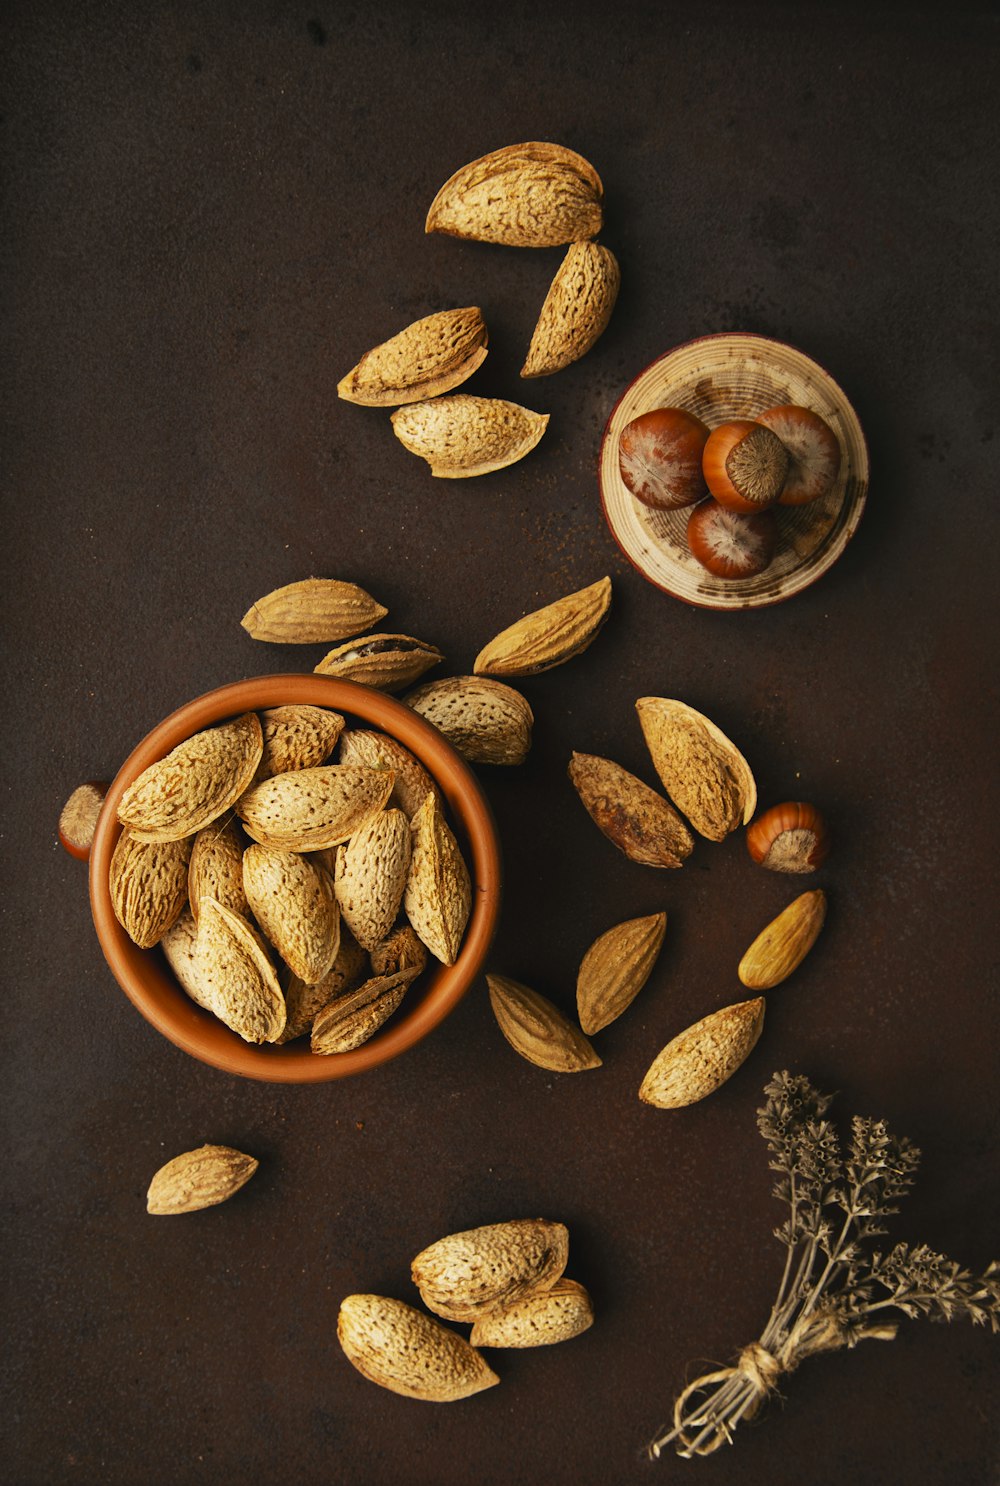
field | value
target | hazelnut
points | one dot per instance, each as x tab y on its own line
789	838
813	452
659	457
730	544
744	465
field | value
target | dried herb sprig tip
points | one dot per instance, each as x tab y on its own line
836	1288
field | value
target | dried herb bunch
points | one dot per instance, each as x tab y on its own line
836	1288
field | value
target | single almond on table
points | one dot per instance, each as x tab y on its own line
429	357
294	902
312	611
700	1060
297	737
576	311
615	969
438	894
641	823
399	1348
532	195
384	661
462	436
783	945
486	721
303	1002
704	774
350	1020
195	783
216	866
539	1320
549	636
148	883
372	750
310	809
78	819
371	874
235	971
197	1179
482	1270
537	1029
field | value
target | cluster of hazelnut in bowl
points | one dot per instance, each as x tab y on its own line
733	476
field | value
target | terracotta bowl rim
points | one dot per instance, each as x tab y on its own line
147	980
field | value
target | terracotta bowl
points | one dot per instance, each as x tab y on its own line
144	974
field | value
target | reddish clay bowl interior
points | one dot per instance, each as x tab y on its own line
144	974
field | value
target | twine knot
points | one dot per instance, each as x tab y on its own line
759	1368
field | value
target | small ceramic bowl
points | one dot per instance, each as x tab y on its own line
144	974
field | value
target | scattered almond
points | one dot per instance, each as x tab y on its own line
398	1347
384	661
615	969
197	1179
462	436
701	1059
484	720
541	1319
704	774
783	945
533	195
634	817
429	357
312	611
576	311
198	781
537	1029
549	636
483	1270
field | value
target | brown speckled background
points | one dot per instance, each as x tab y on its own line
212	210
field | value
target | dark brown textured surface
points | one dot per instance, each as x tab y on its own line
212	211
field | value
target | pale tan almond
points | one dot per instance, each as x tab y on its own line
549	1316
78	818
350	1020
148	882
197	1179
700	1060
310	809
179	945
198	781
371	874
399	1348
549	636
438	893
576	311
615	969
462	436
429	357
704	774
384	661
634	817
236	972
297	737
532	195
373	750
304	1002
783	945
312	611
486	721
400	950
537	1029
294	902
216	866
482	1270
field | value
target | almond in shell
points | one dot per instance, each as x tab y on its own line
483	1270
371	874
537	1029
438	893
148	882
304	1002
399	1348
198	1179
701	1059
294	902
549	636
641	823
576	311
542	1319
310	809
532	195
462	436
387	662
400	950
198	781
704	774
237	975
313	611
216	866
349	1021
615	969
429	357
297	737
372	750
180	946
783	945
486	721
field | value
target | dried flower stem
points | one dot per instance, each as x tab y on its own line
827	1295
